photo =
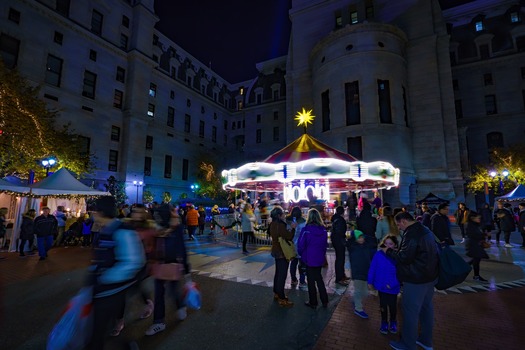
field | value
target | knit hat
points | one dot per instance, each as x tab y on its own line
358	234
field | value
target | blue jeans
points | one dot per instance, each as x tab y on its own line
417	306
44	244
293	270
159	311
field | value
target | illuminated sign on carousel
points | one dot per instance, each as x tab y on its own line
307	168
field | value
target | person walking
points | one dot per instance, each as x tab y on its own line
87	223
487	222
382	276
461	218
27	232
192	221
247	222
278	228
297	263
117	261
521	222
338	238
473	247
312	245
3	229
417	261
45	227
61	225
506	224
386	224
361	249
440	224
202	219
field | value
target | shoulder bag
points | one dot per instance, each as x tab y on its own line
453	269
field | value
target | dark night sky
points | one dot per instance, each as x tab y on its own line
234	34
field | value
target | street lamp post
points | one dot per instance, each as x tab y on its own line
505	173
137	184
194	188
48	163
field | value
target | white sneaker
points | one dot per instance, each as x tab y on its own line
155	328
181	313
462	240
508	245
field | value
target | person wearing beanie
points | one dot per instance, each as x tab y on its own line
338	238
361	249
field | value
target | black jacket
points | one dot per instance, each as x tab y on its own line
473	246
417	257
506	220
367	223
522	221
440	225
45	226
360	256
338	236
26	229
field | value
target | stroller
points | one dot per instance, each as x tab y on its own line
73	236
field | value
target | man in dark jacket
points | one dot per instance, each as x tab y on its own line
440	224
417	268
338	238
45	228
521	206
506	223
366	222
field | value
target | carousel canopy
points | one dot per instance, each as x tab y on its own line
307	167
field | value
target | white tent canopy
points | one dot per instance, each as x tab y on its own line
516	195
63	183
8	186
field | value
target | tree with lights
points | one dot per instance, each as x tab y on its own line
28	132
503	174
210	184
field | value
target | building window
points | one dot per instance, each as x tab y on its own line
338	20
275	95
125	21
514	17
113	160
53	70
187	123
9	48
62	7
58	38
225	125
172	94
258	136
201	129
96	22
484	51
479	26
325	110
383	91
459	109
239	105
203	110
83	145
354	146
214	134
149	142
90	82
185	169
123	41
275	115
121	74
369	9
494	140
258	118
151	110
233	125
14	15
276	133
118	97
353	17
147	166
238	124
259	99
171	117
405	106
93	55
152	90
167	167
188	102
173	72
353	105
455	84
490	104
155	39
487	79
115	133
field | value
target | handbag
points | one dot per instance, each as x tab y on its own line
453	269
74	329
288	248
192	295
167	272
485	244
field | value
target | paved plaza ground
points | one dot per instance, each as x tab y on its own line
238	311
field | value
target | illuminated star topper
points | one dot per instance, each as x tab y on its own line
304	118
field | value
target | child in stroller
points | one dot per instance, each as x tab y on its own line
73	236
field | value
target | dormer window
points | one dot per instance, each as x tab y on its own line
514	17
241	91
479	26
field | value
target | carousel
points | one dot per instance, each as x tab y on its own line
308	168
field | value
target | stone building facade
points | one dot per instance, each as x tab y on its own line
384	78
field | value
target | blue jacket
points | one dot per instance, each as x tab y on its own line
312	245
382	274
360	256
